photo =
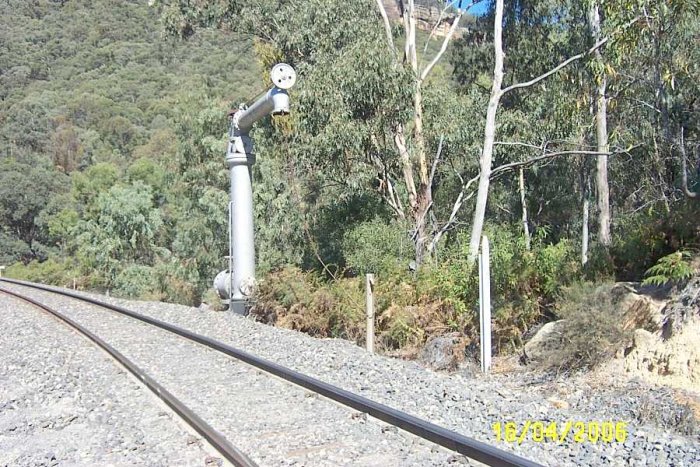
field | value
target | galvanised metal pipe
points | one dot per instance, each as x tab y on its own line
275	102
240	159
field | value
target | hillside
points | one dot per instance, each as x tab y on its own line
102	73
90	82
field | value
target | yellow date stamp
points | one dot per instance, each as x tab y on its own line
553	432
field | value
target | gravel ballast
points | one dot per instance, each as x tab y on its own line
469	405
65	402
272	421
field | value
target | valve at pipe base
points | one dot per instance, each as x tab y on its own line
222	285
245	291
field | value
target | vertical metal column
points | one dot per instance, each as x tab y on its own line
230	253
240	160
369	305
238	283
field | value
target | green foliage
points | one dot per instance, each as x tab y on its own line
25	190
524	284
300	300
57	272
61	226
375	247
97	179
441	298
13	249
670	268
136	281
124	226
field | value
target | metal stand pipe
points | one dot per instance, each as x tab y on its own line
240	286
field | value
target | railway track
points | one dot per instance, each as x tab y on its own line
432	433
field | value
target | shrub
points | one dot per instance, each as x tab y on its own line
303	301
176	283
524	284
136	281
592	329
211	298
438	299
61	273
377	247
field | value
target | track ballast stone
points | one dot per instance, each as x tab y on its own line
468	405
271	420
65	402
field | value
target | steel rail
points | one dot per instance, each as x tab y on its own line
216	439
449	439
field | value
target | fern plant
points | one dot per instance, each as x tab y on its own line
671	268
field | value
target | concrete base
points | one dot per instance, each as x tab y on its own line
240	307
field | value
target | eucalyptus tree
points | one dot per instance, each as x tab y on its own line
361	103
601	123
653	73
498	91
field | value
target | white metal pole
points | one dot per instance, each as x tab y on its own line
240	159
369	295
485	305
230	255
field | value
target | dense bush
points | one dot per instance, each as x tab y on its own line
62	273
136	281
438	299
304	301
377	247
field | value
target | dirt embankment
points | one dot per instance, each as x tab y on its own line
669	353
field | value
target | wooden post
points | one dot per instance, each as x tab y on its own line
1	269
369	294
485	305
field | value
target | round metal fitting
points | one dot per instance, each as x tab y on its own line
283	76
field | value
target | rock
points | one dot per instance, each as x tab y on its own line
546	339
211	461
558	403
639	310
444	352
674	362
682	309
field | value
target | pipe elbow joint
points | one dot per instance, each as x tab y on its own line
280	102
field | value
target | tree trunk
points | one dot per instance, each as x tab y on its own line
420	195
601	120
684	168
489	137
523	203
585	194
418	135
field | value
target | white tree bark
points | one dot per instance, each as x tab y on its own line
684	167
585	194
415	158
523	203
601	120
387	25
489	137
